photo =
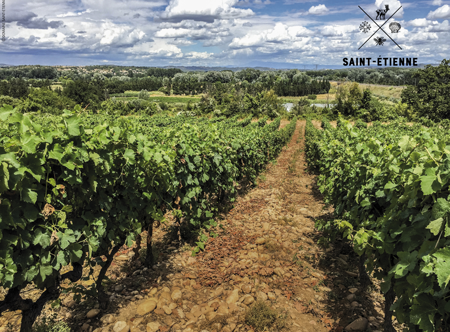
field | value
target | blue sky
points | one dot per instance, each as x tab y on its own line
286	33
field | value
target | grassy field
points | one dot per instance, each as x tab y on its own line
158	96
321	99
56	86
385	91
378	90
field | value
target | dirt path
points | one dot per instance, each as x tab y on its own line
266	251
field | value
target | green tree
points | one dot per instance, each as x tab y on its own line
45	101
84	92
348	99
430	97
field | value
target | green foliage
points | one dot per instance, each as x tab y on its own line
312	97
301	107
348	99
16	88
85	93
430	97
350	102
136	106
7	100
45	101
263	318
231	103
389	185
143	94
73	186
51	325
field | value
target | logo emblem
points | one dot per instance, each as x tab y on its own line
381	15
395	27
364	27
379	40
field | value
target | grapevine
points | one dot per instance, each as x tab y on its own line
78	187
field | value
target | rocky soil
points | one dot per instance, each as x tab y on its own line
266	250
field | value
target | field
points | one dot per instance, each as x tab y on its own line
265	252
157	96
132	170
261	250
321	99
379	90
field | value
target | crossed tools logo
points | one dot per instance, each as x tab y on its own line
381	15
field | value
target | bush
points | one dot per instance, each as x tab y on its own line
164	90
150	109
430	97
45	101
312	97
164	106
144	95
360	124
262	317
301	107
7	100
50	325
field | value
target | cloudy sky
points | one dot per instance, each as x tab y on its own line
279	33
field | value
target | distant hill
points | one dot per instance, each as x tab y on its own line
203	68
5	65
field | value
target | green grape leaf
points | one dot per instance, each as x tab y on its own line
404	143
29	196
440	208
406	264
426	184
60	260
66	238
435	226
56	153
442	270
31	273
41	237
390	185
73	125
129	155
415	156
45	270
365	202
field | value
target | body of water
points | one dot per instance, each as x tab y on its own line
289	106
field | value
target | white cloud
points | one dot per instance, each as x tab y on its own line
340	30
116	35
71	14
158	48
423	37
191	33
203	10
422	22
281	33
440	13
199	55
318	10
120	31
440	27
181	42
